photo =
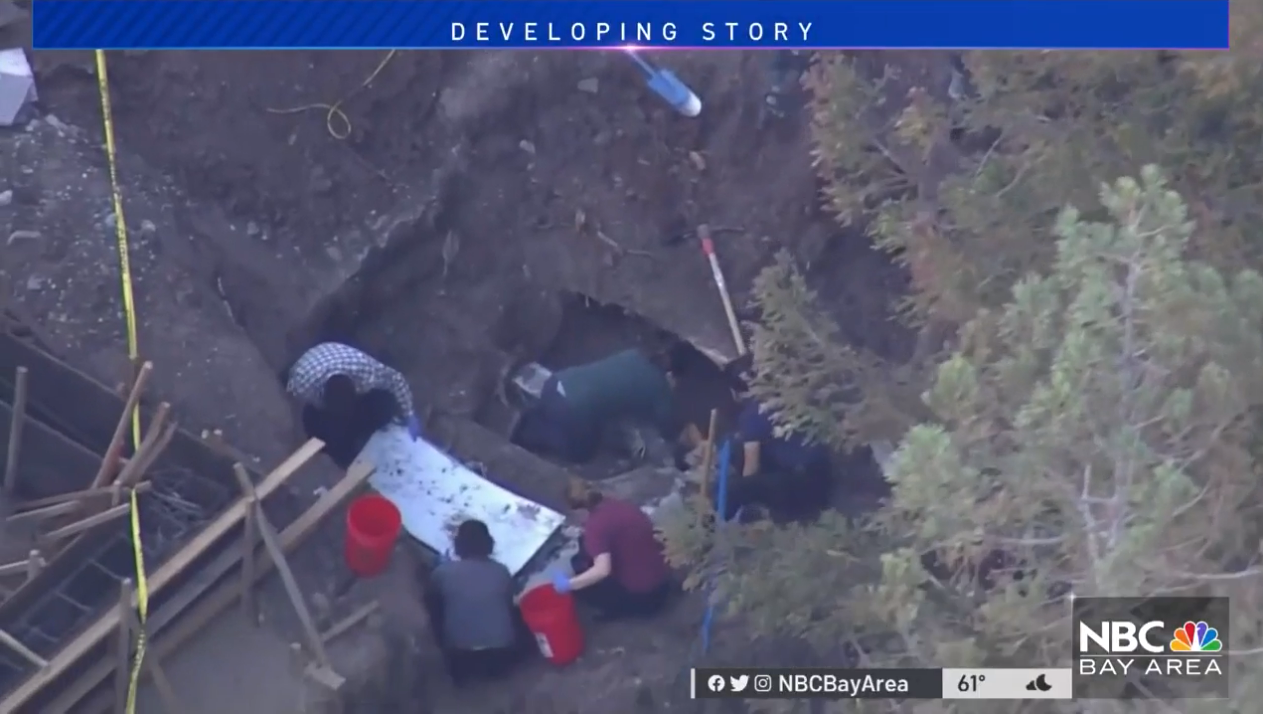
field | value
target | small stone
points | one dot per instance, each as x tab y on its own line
526	146
252	229
6	197
147	227
591	85
61	126
35	282
110	221
334	253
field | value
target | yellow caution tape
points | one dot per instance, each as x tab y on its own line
133	353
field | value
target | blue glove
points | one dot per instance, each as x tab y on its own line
414	427
561	583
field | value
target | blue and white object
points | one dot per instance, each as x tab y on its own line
665	84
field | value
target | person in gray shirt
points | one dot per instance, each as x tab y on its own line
470	601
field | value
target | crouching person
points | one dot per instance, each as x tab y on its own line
620	569
581	406
470	602
786	473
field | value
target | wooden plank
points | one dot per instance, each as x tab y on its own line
39	514
62	465
87	493
16	424
21	566
12	643
168	571
218	599
110	460
360	614
271	541
90	522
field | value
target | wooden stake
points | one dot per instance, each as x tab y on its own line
110	460
12	643
96	632
144	454
34	564
123	645
15	430
222	595
708	458
249	545
130	624
271	541
90	522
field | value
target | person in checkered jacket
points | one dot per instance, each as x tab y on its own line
347	396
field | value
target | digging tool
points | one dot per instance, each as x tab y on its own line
665	84
708	247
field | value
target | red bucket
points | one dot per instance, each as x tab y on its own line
552	618
372	527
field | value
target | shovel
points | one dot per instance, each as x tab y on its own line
665	84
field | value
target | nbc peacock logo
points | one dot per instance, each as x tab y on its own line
1196	637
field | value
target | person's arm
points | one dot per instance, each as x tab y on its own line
750	463
398	386
602	568
596	544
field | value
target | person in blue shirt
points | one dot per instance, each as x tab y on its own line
789	474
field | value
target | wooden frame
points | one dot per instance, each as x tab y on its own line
167	572
183	625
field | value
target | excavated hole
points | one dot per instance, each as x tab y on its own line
590	330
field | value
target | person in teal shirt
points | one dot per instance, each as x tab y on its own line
579	405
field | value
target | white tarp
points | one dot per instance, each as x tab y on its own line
434	493
17	84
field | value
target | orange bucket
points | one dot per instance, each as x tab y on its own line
372	527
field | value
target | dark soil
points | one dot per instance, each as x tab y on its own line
476	187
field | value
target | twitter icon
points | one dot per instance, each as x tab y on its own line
739	682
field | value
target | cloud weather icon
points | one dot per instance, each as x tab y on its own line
716	683
739	682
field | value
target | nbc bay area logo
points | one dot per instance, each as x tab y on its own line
1120	647
1196	637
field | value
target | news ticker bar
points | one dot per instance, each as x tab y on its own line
555	24
815	683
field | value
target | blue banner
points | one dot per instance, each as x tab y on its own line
557	24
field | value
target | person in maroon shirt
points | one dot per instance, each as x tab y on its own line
620	568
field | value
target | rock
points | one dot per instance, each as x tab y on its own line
61	126
591	85
6	197
110	221
147	227
526	146
35	282
252	229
